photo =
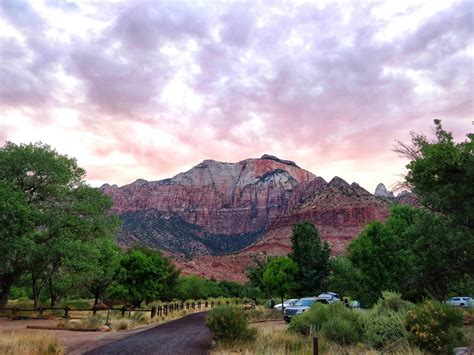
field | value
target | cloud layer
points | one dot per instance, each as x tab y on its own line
148	89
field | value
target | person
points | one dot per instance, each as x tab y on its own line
346	302
272	302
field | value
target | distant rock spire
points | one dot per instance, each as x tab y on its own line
382	191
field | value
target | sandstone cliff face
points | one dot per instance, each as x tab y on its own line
223	199
338	209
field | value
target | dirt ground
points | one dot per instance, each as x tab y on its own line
74	342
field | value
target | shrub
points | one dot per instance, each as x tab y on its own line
337	315
229	324
340	331
435	327
385	322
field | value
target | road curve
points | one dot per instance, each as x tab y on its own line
188	335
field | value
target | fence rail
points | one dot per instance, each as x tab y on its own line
161	310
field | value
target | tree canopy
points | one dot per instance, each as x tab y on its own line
311	255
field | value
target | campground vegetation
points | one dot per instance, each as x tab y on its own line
57	244
58	240
422	255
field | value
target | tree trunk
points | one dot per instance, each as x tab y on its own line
54	297
5	286
36	291
5	292
96	297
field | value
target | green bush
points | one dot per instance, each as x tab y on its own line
329	319
340	331
435	327
229	324
385	322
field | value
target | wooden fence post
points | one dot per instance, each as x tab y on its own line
166	309
123	311
160	310
94	310
206	304
66	312
199	305
315	346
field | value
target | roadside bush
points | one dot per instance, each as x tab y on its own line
435	327
340	331
385	322
229	324
330	319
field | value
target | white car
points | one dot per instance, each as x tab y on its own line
460	301
287	303
328	297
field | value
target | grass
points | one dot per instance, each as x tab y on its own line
262	313
29	343
136	320
274	339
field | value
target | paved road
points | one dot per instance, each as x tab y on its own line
188	335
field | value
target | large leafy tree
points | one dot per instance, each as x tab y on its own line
423	252
414	252
144	275
279	277
311	256
17	233
441	173
63	211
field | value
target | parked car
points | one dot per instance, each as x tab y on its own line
301	306
460	301
286	304
328	298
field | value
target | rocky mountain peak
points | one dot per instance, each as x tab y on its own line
381	191
336	181
272	157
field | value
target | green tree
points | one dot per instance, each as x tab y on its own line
144	275
279	277
441	173
17	233
61	207
348	280
414	252
255	271
311	256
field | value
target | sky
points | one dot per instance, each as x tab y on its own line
148	89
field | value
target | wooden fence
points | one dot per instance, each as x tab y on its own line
161	310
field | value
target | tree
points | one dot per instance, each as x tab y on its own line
256	270
17	232
311	256
279	277
144	275
441	173
348	280
64	212
103	277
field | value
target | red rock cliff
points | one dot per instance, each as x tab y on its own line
223	198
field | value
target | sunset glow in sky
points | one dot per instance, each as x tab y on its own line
149	89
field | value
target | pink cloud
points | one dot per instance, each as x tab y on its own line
313	85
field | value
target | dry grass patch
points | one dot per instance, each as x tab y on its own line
273	338
29	343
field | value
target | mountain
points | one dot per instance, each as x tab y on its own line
339	210
214	208
216	217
